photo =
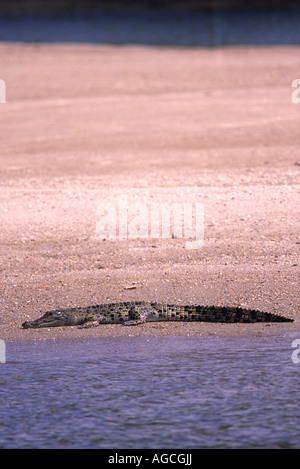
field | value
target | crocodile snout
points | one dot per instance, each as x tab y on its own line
50	319
27	325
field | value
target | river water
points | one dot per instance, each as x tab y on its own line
217	27
151	392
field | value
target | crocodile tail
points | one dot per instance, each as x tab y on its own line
221	314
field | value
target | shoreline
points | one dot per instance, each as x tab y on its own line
182	329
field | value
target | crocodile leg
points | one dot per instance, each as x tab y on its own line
133	322
89	324
134	318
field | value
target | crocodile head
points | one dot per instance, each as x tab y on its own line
50	319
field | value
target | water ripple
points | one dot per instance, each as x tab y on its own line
164	392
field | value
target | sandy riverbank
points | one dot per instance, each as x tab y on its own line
84	123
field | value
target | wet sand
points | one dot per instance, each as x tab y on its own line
84	123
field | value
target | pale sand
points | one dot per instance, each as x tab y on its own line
213	126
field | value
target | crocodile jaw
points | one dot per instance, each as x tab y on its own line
50	319
38	324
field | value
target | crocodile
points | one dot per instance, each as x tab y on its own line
139	312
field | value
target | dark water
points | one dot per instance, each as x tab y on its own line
155	392
160	27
